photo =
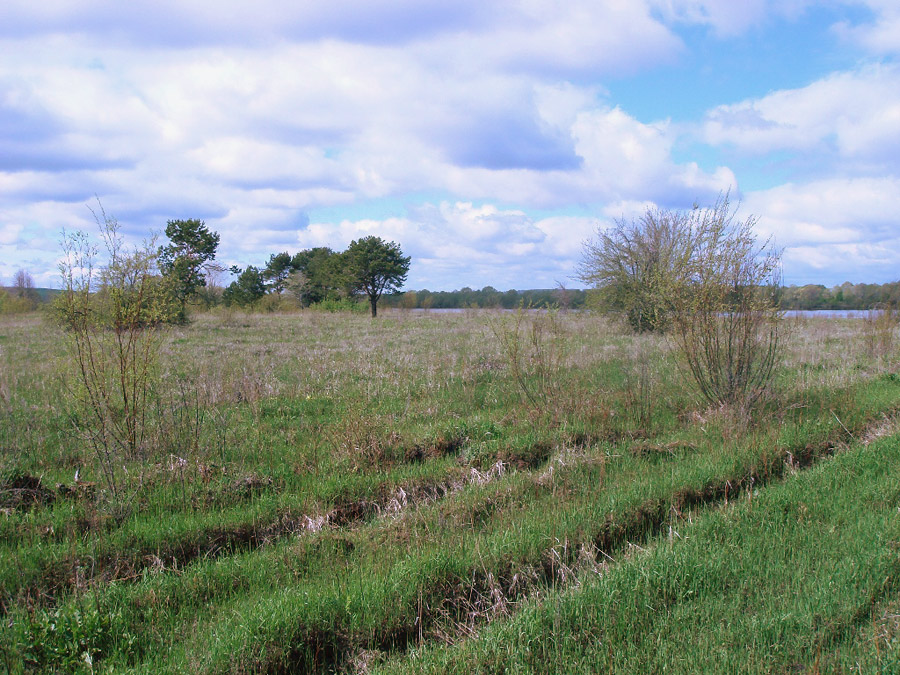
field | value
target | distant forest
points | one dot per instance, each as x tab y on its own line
847	296
810	297
486	298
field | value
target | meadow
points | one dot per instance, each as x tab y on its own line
479	491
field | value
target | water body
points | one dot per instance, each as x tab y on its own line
808	313
830	313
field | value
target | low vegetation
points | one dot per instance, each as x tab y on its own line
321	492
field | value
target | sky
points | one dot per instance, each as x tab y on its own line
489	139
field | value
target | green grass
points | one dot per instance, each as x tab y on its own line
802	577
322	491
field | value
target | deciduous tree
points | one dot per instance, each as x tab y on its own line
635	264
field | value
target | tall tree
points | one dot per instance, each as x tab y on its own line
246	289
192	247
278	269
24	289
321	272
373	266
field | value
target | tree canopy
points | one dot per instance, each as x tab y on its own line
373	266
192	245
246	289
635	264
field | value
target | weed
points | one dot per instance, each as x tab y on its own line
533	344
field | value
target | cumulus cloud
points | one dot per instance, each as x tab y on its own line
845	227
855	114
247	139
253	117
453	244
880	35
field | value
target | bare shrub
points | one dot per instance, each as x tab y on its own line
533	345
640	385
727	322
188	424
360	439
4	380
880	330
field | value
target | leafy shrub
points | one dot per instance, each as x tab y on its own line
114	317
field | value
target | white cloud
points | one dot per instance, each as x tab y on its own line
453	244
856	113
9	233
845	227
251	117
881	35
727	17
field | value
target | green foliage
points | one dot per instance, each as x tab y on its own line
373	266
246	289
192	245
846	296
318	275
22	297
10	304
278	270
75	637
701	273
113	316
335	305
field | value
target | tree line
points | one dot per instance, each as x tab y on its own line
369	267
375	270
846	296
489	298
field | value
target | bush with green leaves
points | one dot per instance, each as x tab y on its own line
701	275
635	266
114	316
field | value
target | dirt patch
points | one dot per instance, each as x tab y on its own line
443	446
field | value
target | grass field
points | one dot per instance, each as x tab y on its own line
475	492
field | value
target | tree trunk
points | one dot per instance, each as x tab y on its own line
374	303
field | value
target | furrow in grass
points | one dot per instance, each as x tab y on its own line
803	579
449	577
68	571
447	584
117	565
